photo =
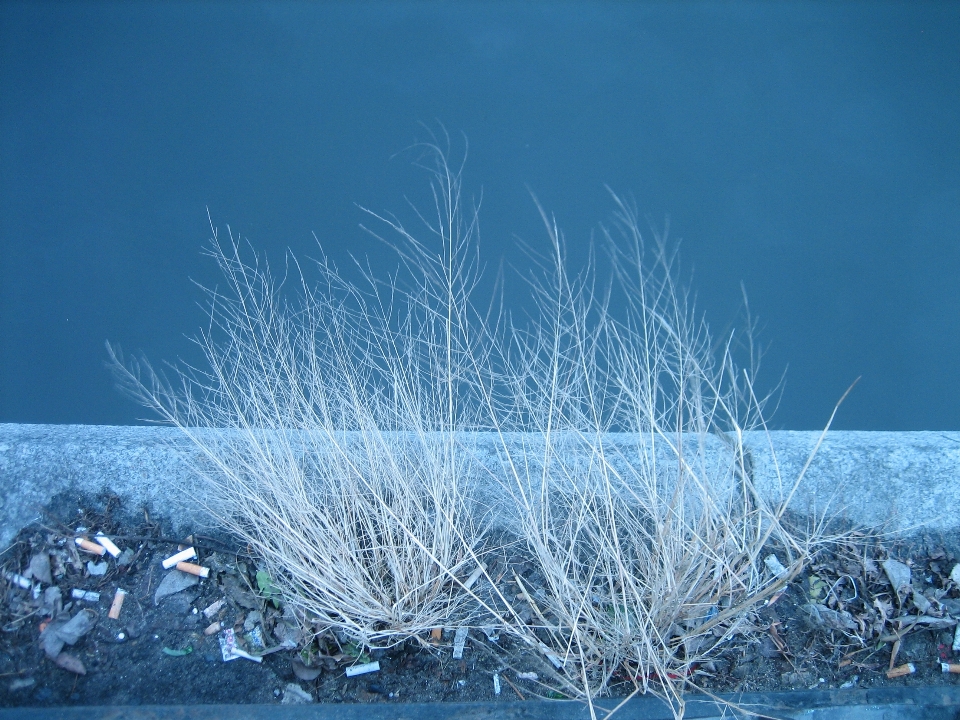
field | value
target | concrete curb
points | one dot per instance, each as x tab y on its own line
900	482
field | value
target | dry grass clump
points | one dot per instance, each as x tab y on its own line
338	453
336	414
635	489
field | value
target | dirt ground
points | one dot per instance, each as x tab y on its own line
840	624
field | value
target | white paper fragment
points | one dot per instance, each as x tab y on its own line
363	669
88	595
459	640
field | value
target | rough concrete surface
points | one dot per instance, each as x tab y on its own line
898	481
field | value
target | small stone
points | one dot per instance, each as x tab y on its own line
96	569
126	557
293	694
174	582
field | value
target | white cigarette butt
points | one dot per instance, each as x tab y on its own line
108	544
87	595
193	569
496	684
474	576
117	603
179	557
363	669
19	580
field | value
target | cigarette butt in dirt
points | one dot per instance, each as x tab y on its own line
436	634
363	669
496	684
950	668
117	603
901	670
213	609
108	544
213	628
87	595
90	547
474	576
19	580
197	570
187	554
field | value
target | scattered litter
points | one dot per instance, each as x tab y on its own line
901	670
774	565
18	580
213	628
474	576
70	663
90	547
66	632
293	694
496	683
174	582
193	569
187	554
117	604
229	649
107	544
899	576
363	669
213	609
254	640
39	568
178	653
527	676
950	668
459	640
85	595
97	569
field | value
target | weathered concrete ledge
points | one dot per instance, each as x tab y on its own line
902	482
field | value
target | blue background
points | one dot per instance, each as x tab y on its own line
809	150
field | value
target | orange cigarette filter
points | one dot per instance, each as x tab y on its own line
193	569
90	547
950	668
213	628
901	670
118	597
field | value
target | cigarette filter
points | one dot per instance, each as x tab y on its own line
363	669
213	609
901	670
117	603
88	595
108	544
90	547
950	668
193	569
179	557
213	628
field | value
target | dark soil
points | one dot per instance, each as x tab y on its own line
159	654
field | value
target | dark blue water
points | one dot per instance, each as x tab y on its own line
811	151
